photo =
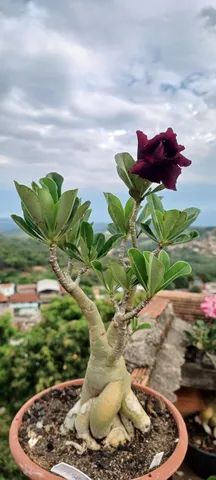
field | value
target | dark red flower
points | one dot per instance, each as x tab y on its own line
159	159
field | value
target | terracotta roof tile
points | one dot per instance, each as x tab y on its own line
155	307
3	299
141	375
24	298
186	305
21	288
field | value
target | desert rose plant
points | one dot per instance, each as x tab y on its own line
203	333
108	409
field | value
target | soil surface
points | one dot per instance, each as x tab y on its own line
42	422
194	355
198	437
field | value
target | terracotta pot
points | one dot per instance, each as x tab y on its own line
201	462
35	472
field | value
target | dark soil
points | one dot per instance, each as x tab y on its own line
194	355
198	437
129	461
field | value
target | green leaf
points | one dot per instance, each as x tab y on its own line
112	229
109	244
35	187
147	230
73	251
155	270
51	186
186	237
65	207
25	227
124	162
32	204
109	281
58	179
179	225
158	188
178	269
141	326
81	212
128	212
87	234
98	266
164	258
136	185
119	274
29	222
156	209
139	266
85	254
192	214
155	202
171	219
99	241
145	213
116	211
48	208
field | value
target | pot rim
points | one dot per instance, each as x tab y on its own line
35	472
200	450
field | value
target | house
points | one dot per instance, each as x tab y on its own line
24	304
26	288
47	289
3	303
7	289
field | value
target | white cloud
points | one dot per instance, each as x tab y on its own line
76	83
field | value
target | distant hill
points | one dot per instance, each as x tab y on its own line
8	227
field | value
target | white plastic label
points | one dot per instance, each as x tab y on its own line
157	460
68	472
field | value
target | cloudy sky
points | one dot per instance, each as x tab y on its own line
79	77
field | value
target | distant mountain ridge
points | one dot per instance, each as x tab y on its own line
8	227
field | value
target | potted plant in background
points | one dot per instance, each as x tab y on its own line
201	354
201	339
107	425
201	455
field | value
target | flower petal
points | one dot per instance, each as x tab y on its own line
183	161
169	175
147	171
142	141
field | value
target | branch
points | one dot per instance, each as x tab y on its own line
122	252
132	223
157	250
80	273
117	333
136	310
97	332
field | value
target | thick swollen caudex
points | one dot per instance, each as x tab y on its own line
108	409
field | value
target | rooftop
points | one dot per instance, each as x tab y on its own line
186	305
155	307
3	299
24	298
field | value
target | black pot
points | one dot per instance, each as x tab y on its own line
201	462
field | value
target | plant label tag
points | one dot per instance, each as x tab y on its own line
157	460
68	472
